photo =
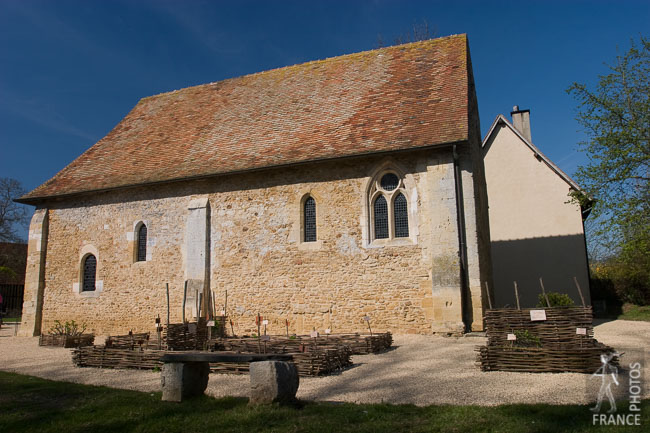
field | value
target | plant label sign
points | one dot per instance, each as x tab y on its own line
328	331
223	313
537	315
313	334
366	318
512	337
265	338
265	322
581	331
211	323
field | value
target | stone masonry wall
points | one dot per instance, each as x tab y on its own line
256	253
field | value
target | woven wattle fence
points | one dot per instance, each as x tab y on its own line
132	341
315	362
111	357
186	336
66	341
563	342
359	344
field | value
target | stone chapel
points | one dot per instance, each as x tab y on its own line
320	195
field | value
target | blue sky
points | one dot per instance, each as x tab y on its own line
70	70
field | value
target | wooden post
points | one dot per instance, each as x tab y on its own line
541	283
330	317
158	332
167	287
487	293
517	296
582	298
184	298
286	323
367	319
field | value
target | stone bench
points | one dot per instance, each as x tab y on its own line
273	376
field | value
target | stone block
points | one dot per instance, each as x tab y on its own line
273	381
180	380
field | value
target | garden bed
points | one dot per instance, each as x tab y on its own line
561	342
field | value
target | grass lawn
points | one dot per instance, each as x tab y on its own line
635	312
29	404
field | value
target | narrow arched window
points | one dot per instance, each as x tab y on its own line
380	209
89	271
309	213
401	217
142	244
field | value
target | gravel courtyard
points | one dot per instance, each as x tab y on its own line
420	370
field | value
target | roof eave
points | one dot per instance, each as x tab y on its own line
35	201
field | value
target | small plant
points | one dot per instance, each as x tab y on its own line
156	369
526	339
70	328
556	300
292	337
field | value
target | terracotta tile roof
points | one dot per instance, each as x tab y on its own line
393	98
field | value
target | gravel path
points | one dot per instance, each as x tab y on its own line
420	370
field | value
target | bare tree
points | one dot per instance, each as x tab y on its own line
13	216
419	32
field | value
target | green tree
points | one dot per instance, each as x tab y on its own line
616	117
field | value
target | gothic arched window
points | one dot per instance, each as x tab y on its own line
389	207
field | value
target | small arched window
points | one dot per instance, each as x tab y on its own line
309	223
401	217
380	209
142	244
89	272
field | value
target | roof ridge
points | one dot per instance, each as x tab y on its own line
310	62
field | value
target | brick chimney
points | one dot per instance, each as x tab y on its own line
521	121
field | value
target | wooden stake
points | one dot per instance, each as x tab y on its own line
158	332
286	323
541	283
487	293
582	298
184	298
167	287
517	296
367	319
330	317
